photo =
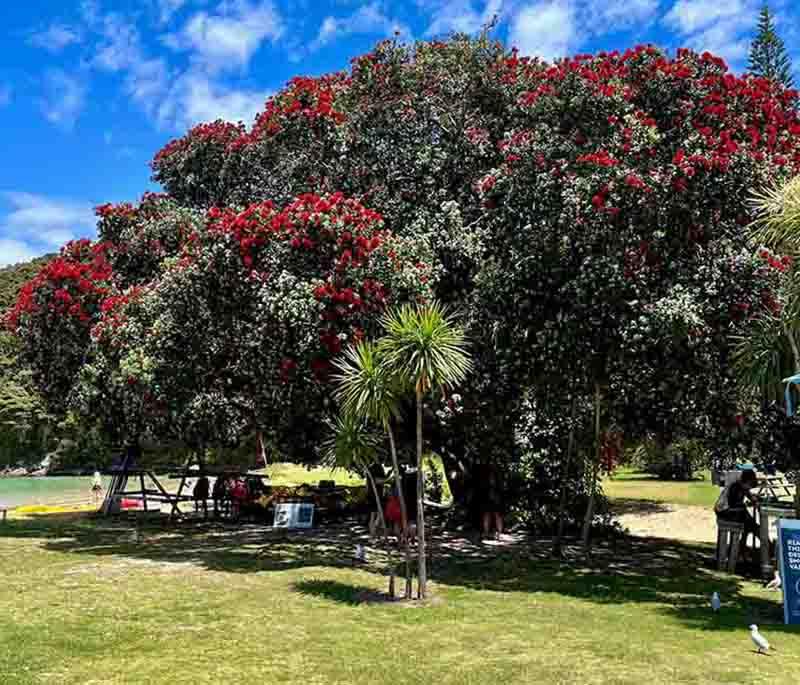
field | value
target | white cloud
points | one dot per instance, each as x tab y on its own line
64	99
15	251
228	38
547	29
369	19
55	38
688	16
43	221
460	16
120	45
723	28
723	39
613	15
167	8
195	98
120	50
5	95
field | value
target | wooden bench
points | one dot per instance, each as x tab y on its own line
729	540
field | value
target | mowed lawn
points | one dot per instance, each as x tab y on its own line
81	601
627	484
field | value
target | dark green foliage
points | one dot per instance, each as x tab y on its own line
768	56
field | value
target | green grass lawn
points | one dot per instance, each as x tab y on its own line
81	602
627	484
294	474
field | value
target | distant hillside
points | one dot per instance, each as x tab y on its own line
13	277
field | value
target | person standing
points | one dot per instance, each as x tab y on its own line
200	495
97	486
378	475
410	497
490	500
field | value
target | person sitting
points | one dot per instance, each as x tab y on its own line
200	495
731	505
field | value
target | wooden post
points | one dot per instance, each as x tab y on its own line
144	491
766	562
176	502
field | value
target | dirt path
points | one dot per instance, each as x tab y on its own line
674	521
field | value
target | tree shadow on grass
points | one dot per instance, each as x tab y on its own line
639	507
344	593
676	577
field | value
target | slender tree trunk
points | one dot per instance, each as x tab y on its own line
385	533
562	503
261	450
587	521
403	513
793	343
422	578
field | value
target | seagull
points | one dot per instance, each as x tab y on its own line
715	602
775	583
759	640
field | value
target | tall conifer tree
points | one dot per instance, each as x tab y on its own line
768	56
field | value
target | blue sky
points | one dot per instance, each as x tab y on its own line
90	89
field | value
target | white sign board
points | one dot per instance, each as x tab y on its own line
294	515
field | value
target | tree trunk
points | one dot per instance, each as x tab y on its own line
261	451
422	573
384	531
562	503
403	513
586	536
456	476
793	343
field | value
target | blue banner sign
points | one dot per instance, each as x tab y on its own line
789	546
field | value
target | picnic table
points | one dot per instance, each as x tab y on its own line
776	497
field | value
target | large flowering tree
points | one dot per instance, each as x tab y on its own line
238	331
587	217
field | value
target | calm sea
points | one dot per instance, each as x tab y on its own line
15	492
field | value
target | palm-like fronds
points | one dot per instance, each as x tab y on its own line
777	210
425	346
763	357
365	389
352	443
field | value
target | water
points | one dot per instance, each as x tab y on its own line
15	492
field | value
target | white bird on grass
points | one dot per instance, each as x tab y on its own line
759	640
775	583
715	602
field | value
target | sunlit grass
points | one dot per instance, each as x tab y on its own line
82	602
627	484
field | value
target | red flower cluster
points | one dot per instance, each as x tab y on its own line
336	233
124	210
779	263
70	285
111	317
312	99
600	158
218	132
